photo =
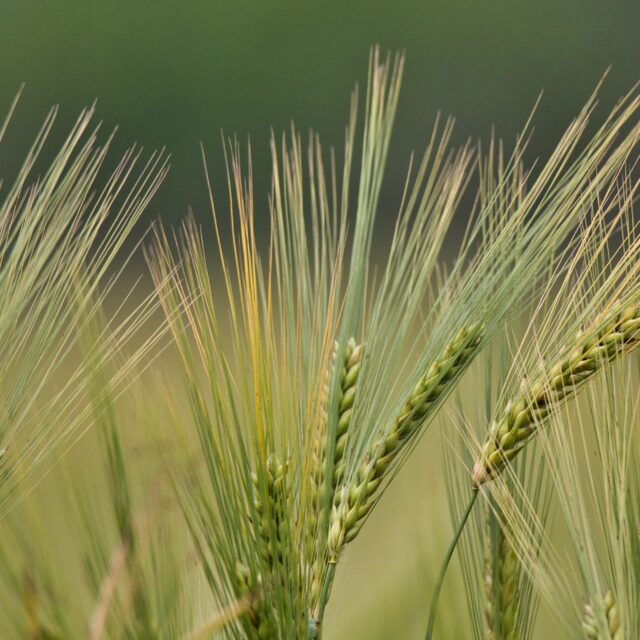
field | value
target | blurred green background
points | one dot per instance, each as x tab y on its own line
176	73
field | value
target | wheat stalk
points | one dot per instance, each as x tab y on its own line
592	629
617	334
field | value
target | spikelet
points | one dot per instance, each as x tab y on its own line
590	623
617	334
355	500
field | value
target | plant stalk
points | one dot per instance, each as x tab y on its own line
324	595
445	565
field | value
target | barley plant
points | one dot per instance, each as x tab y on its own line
116	571
584	321
310	379
245	422
501	597
591	456
60	231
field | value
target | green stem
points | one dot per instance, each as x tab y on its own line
326	587
445	565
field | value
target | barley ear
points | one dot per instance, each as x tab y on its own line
502	575
489	604
617	334
611	624
352	363
349	373
273	511
357	499
319	450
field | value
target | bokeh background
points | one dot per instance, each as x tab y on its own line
174	74
171	74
